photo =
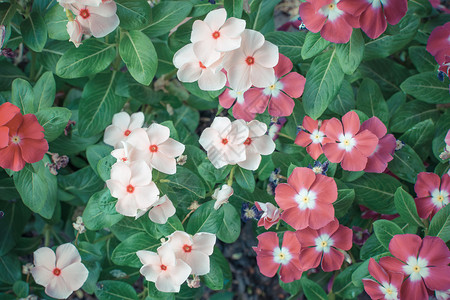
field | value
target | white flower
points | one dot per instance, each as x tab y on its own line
98	20
79	225
60	274
162	210
221	195
121	128
127	154
75	32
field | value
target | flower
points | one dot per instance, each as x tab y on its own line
224	141
275	127
221	195
257	143
194	250
432	192
271	214
75	32
127	154
241	105
26	142
369	214
312	137
26	268
252	63
270	256
164	269
82	2
319	168
279	92
162	210
374	14
216	34
439	43
446	153
360	235
386	284
132	185
378	160
60	274
334	24
423	262
122	126
7	112
249	213
79	225
307	199
323	246
349	146
399	145
156	148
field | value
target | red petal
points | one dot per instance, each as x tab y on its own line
14	124
351	123
325	188
290	272
293	84
291	242
284	196
392	264
310	124
7	112
424	206
33	150
240	112
395	10
353	160
333	129
301	178
309	258
312	20
332	260
445	183
373	289
366	142
11	158
426	183
256	101
31	128
438	278
373	22
414	290
375	126
225	99
307	237
435	251
283	67
295	217
266	265
268	241
343	238
403	246
353	7
4	136
333	152
281	106
321	215
303	139
337	31
377	271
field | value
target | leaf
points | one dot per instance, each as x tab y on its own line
90	58
214	279
125	253
441	129
344	100
166	15
184	186
427	87
422	8
104	167
54	120
56	21
133	14
323	82
289	43
312	290
406	164
138	53
8	74
371	248
115	290
34	32
343	285
395	101
22	96
261	13
100	211
313	45
95	153
21	289
15	217
10	271
234	8
421	58
411	113
418	136
385	230
371	102
351	54
231	224
406	207
205	219
245	179
44	91
440	224
7	11
343	202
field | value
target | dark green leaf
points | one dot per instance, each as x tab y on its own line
44	91
314	44
100	211
245	179
115	290
34	32
231	227
22	96
427	87
289	43
10	269
421	58
350	55
440	224
234	8
125	252
56	21
54	120
133	14
21	289
370	100
343	202
205	219
312	290
385	230
404	203
406	164
165	16
411	113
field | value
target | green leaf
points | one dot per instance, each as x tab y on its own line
10	269
95	153
289	43
205	219
90	58
344	100
343	285
98	104
133	14
184	186
314	44
22	96
34	32
351	54
89	252
81	183
385	230
312	290
100	211
421	58
165	16
427	87
422	8
125	253
261	13
44	91
15	217
231	227
406	207
138	53
115	290
214	279
323	82
406	164
104	167
21	289
419	137
245	179
371	102
343	202
7	11
56	21
234	8
442	126
90	285
371	248
8	74
440	224
54	120
411	113
395	101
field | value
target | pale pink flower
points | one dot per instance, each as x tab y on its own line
64	3
216	34
127	154
121	127
271	214
132	185
164	269
60	274
194	250
156	148
193	68
162	210
221	195
100	20
75	32
257	143
224	141
252	63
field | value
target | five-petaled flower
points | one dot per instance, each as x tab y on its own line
386	284
313	137
432	192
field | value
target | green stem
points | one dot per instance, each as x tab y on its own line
47	230
33	66
230	178
285	136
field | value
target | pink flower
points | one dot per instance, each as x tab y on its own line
257	143
439	43
99	20
387	284
132	185
75	32
307	199
374	14
164	269
432	193
322	246
377	161
193	68
312	137
270	256
121	128
127	154
81	2
156	148
437	4
279	92
224	141
194	250
216	34
423	262
60	274
221	195
162	210
270	216
334	24
349	145
252	63
368	214
7	112
241	104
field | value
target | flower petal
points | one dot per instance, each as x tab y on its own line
301	178
66	254
403	246
75	275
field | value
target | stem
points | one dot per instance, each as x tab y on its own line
187	216
230	178
69	15
33	66
47	229
285	136
278	225
76	238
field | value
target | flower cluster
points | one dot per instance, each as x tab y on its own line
177	258
237	142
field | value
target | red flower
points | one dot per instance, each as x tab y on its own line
387	284
313	137
349	145
377	161
307	199
7	112
241	103
423	262
432	193
26	142
439	43
321	246
270	256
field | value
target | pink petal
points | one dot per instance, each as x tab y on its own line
33	150
424	206
426	183
310	124
42	275
403	246
332	260
373	22
283	67
225	99
321	215
284	196
325	189
44	257
291	242
102	26
256	101
333	152
391	264
343	238
334	129
7	112
445	183
434	251
353	7
375	126
266	265
75	275
66	254
4	136
307	237
366	142
350	123
315	150
296	218
241	112
414	290
293	84
58	288
11	158
281	106
303	139
290	272
438	278
395	10
268	241
312	20
336	31
372	288
377	271
301	178
309	258
353	160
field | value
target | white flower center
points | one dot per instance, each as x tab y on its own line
306	199
416	268
331	11
274	89
377	3
239	96
317	136
347	142
390	292
281	256
439	198
323	243
317	170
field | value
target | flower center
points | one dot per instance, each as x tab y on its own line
389	291
187	248
331	6
324	244
440	198
130	188
163	267
56	272
347	142
127	132
153	148
224	141
250	60
84	13
201	65
249	214
124	159
248	141
15	139
416	269
305	199
216	35
281	255
272	87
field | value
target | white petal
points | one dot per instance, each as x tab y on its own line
127	206
264	145
75	275
45	257
216	18
151	272
233	28
210	81
239	132
225	44
57	288
199	262
102	26
104	9
251	41
184	56
200	31
121	120
239	76
164	163
121	173
148	257
208	138
181	272
66	254
190	72
204	242
222	125
116	189
167	255
251	162
146	196
113	136
171	148
141	174
159	214
256	128
165	283
206	53
261	76
136	120
158	134
42	275
267	56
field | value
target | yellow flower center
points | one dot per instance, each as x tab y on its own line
440	198
416	269
305	199
272	87
15	139
281	255
331	6
324	243
389	291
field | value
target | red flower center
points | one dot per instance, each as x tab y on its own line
163	267
201	65
15	139
187	248
124	159
56	272
84	13
130	188
250	60
153	148
248	141
127	132
224	141
216	34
